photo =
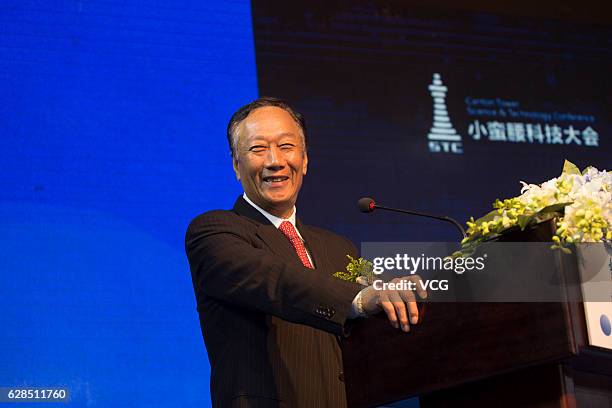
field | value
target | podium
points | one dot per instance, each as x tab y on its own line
482	354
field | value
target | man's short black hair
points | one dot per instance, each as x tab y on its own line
243	112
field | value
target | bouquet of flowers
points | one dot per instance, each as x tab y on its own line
580	201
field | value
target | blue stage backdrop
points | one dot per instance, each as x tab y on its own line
112	125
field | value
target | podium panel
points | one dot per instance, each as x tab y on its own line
483	354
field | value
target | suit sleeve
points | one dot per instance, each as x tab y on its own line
227	267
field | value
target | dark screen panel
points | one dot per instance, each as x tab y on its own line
361	72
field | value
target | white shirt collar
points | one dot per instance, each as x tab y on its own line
277	220
273	218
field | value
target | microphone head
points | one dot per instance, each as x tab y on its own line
366	204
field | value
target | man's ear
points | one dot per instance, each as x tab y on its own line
235	165
305	167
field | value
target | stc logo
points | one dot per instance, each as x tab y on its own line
443	138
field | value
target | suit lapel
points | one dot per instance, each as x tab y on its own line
313	243
267	232
278	243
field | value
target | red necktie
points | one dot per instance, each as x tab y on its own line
289	231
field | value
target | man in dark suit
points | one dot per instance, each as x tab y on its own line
270	309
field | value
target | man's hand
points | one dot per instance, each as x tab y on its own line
397	304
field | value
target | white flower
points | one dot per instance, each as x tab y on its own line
586	198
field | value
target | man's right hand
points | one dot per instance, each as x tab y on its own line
399	305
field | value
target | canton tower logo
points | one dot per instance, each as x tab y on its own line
443	138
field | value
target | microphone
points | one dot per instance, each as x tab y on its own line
367	205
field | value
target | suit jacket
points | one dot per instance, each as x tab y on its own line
270	325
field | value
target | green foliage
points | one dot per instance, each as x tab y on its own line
571	168
356	268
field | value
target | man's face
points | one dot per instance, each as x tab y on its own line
270	159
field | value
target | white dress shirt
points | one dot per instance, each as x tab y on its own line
277	221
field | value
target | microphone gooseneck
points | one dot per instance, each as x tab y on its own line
367	205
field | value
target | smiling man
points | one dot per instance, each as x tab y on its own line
270	158
270	309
